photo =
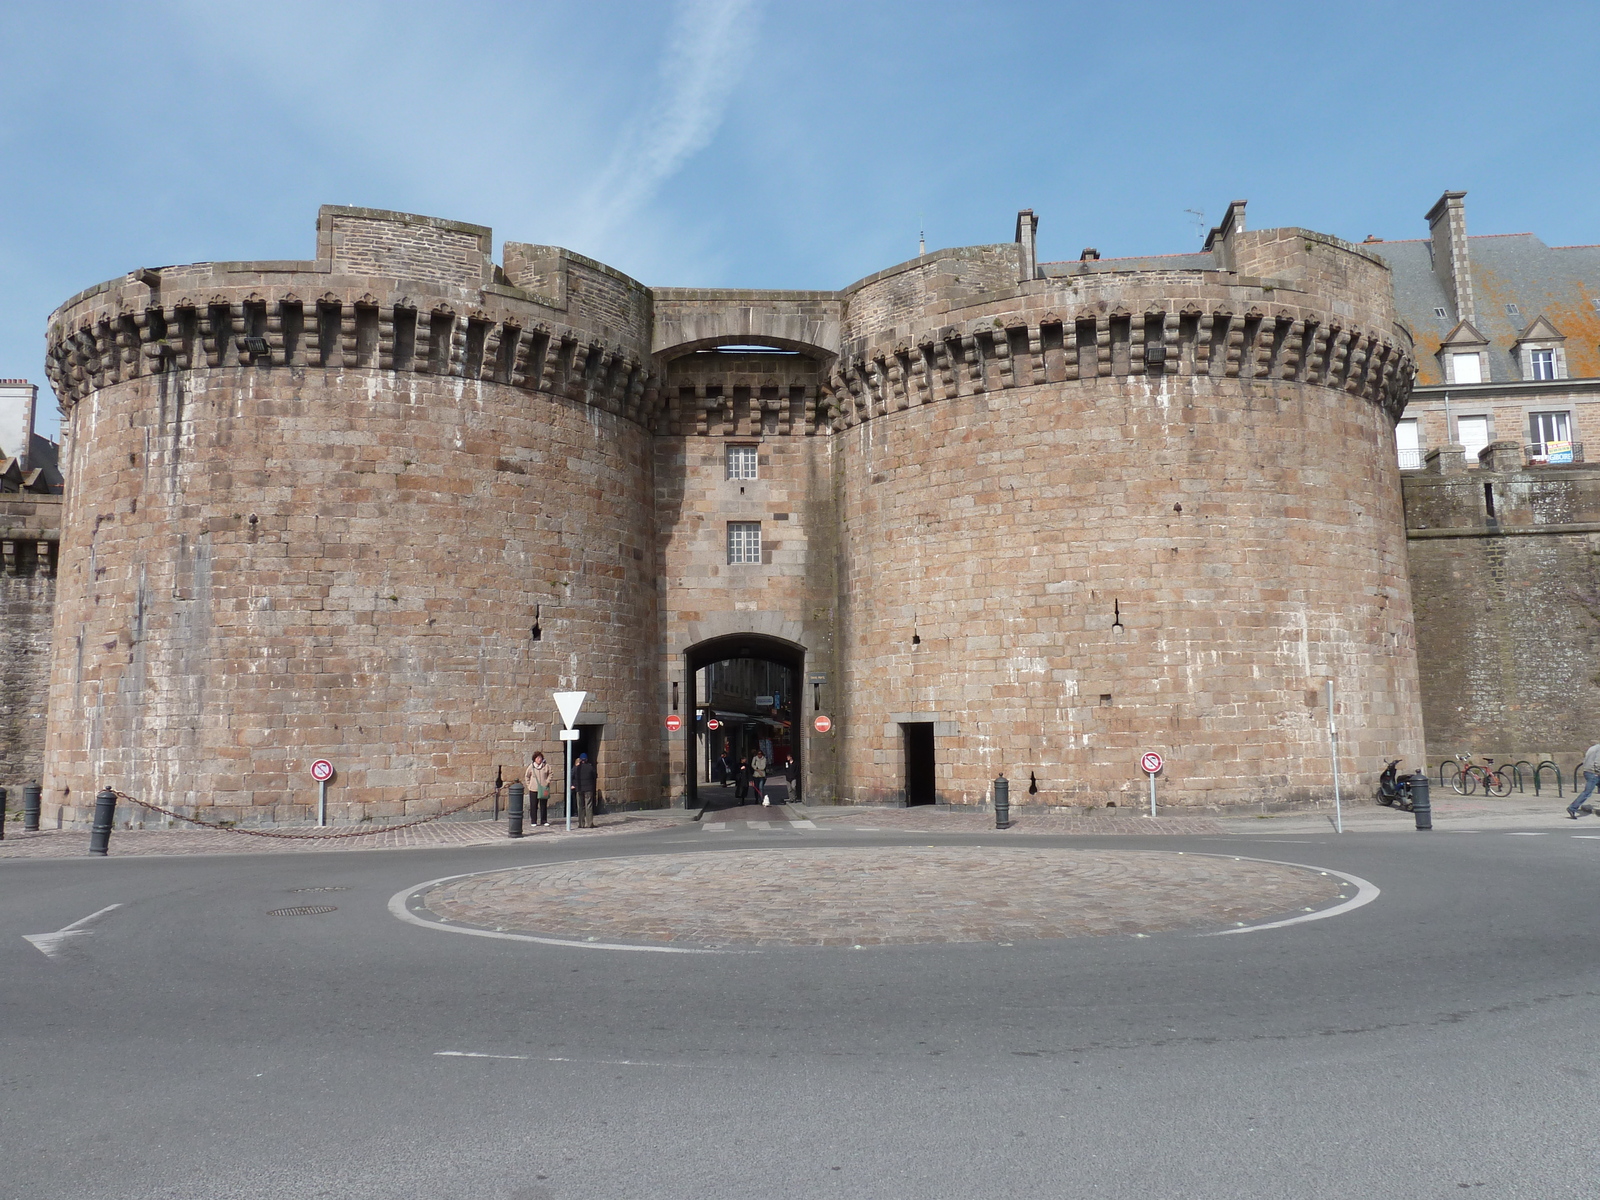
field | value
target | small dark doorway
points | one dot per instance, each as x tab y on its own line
587	742
918	738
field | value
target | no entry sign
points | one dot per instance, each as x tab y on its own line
674	722
1151	762
713	723
322	770
822	724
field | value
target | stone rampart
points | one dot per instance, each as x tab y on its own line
1505	565
30	531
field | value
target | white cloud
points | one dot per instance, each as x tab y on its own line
705	55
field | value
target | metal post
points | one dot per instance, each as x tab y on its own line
1152	775
568	745
514	810
322	803
105	812
32	795
1333	738
2	814
1002	802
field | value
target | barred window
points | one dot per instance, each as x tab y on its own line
741	462
744	542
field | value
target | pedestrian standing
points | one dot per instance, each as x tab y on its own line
758	771
791	777
537	781
1591	778
741	780
583	778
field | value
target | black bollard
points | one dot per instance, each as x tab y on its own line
1421	806
1002	802
514	810
2	814
32	795
105	811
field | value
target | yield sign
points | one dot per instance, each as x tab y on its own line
568	704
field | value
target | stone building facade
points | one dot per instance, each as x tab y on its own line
376	506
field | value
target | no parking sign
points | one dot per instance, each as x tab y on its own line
1151	762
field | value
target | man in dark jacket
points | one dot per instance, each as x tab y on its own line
583	780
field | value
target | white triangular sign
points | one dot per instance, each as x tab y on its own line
568	703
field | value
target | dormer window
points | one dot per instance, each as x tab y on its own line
1466	368
1539	351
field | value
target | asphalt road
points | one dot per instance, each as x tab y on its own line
1434	1043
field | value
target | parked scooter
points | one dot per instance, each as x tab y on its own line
1394	789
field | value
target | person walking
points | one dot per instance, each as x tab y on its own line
537	782
758	771
584	777
1591	779
741	781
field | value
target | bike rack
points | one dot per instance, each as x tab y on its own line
1453	765
1540	770
1575	770
1516	773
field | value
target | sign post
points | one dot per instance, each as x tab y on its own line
322	771
568	704
1152	763
1333	738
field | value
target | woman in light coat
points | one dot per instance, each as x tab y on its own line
537	781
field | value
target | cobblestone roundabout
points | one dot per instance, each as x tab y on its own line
848	897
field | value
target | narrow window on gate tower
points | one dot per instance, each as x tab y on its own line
744	542
741	462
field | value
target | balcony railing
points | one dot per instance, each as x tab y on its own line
1542	454
1410	460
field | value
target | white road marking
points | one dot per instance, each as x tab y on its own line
475	1054
715	827
1540	834
804	824
1587	837
49	944
1366	893
398	908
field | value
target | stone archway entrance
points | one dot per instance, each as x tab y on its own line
751	685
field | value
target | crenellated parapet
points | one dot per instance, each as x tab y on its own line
577	330
1144	324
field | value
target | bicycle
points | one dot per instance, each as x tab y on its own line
1470	776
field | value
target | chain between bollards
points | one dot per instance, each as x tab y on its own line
105	812
514	796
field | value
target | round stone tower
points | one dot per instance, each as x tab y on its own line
373	508
1097	508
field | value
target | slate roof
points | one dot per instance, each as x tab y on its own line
1559	283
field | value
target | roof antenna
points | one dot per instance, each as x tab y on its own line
1199	221
922	239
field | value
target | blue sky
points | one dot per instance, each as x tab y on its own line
772	144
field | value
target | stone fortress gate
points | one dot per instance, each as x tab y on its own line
999	515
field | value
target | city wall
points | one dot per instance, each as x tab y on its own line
30	532
1505	566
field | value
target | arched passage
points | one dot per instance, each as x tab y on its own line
781	720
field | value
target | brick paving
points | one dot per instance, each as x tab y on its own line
74	843
814	896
